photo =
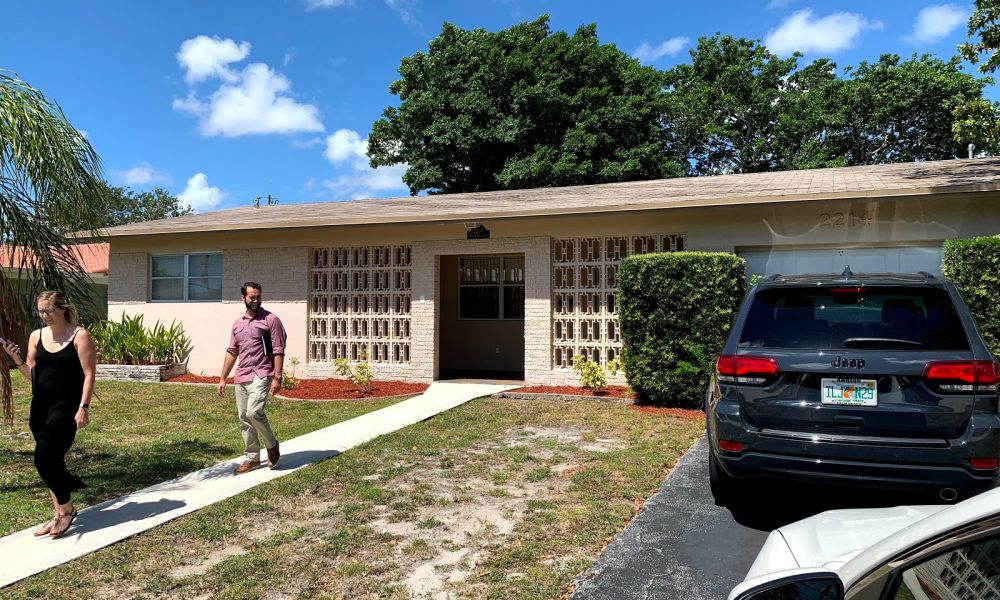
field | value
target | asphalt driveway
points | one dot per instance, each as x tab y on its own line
680	545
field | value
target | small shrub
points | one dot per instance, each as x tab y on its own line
591	374
288	380
360	375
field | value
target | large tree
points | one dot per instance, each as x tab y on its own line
984	23
899	111
521	108
738	108
49	183
123	205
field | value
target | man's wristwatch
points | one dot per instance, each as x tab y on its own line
281	379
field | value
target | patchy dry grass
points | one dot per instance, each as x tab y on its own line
494	499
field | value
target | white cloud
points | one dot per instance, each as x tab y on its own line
801	32
934	23
778	3
346	147
647	53
141	174
204	57
315	4
199	195
255	100
367	184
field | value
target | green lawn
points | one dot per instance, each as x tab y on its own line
493	499
141	434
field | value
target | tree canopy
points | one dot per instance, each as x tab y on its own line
521	108
526	107
123	205
984	23
49	183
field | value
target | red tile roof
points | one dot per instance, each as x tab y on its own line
93	257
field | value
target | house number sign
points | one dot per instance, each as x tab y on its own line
841	220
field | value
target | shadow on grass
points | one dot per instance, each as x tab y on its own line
111	474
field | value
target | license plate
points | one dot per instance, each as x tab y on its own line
850	392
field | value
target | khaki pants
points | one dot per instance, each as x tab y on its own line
250	400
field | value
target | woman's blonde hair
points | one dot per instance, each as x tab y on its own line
60	301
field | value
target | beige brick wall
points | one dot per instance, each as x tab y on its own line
282	272
128	277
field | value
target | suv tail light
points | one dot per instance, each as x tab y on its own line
733	368
963	375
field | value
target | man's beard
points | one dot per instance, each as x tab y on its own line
252	306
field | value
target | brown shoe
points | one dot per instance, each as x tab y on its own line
247	466
273	455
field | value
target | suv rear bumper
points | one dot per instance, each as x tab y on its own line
917	477
922	468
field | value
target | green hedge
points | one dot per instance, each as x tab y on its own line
974	266
675	310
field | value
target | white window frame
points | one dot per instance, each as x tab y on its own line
185	278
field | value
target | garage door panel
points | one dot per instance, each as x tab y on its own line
790	261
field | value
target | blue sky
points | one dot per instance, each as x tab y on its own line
222	101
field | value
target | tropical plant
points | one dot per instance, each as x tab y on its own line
128	342
49	184
360	374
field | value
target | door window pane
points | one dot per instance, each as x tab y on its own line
479	302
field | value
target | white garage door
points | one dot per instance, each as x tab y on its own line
861	260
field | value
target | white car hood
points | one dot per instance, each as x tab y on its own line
831	538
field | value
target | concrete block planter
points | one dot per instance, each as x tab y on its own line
147	373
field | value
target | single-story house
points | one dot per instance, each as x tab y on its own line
517	282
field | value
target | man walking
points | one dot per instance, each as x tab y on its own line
258	340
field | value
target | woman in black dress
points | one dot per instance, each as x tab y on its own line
60	364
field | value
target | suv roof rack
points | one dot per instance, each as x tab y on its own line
926	275
773	277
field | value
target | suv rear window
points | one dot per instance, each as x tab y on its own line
833	318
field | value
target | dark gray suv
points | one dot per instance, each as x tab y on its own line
863	379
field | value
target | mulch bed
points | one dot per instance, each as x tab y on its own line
611	391
680	413
326	389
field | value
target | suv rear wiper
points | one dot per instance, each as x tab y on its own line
877	342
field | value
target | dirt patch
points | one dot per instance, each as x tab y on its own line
326	389
452	522
611	391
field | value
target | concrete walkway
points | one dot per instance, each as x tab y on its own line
23	555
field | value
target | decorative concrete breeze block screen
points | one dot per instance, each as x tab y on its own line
359	301
584	271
